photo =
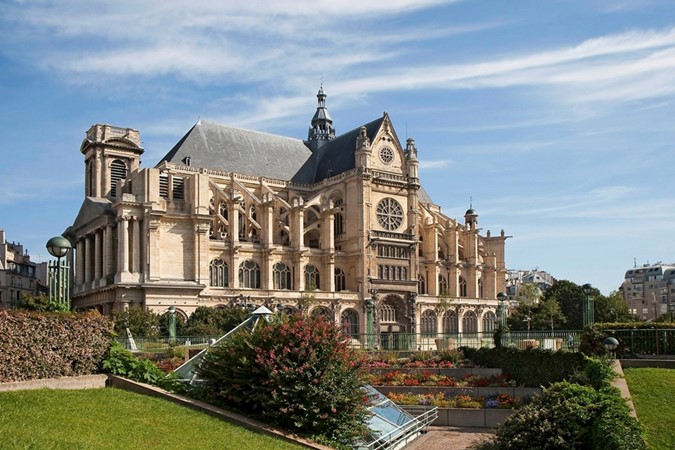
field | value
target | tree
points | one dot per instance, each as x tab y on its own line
141	322
612	309
528	299
548	314
208	321
570	297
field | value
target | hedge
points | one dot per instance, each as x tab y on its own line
36	345
532	367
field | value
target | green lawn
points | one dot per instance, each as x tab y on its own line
114	419
653	391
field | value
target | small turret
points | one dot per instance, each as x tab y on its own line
471	217
322	124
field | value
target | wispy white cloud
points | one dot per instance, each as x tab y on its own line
433	165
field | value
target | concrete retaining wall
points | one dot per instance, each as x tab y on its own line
79	382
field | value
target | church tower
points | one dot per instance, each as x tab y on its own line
110	154
321	129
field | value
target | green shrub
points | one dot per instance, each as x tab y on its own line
119	361
569	416
599	373
36	345
296	372
615	428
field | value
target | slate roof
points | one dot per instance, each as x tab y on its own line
219	147
214	146
91	209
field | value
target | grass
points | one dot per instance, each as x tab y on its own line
652	391
109	418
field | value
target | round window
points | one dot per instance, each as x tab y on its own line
386	155
389	214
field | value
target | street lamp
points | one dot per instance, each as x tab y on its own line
610	344
503	328
59	294
501	309
588	309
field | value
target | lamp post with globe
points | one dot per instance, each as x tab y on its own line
59	285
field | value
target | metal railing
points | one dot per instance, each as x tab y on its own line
655	341
157	345
407	432
556	340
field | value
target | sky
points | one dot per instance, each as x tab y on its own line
554	119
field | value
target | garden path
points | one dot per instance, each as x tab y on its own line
444	438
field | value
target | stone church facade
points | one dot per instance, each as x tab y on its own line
336	225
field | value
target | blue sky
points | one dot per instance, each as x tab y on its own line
555	117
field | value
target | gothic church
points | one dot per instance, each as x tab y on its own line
336	225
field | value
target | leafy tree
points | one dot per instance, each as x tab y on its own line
570	297
296	372
141	322
612	309
528	301
208	321
548	314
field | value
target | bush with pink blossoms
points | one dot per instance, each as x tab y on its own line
296	372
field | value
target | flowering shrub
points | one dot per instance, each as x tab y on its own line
443	400
296	372
423	378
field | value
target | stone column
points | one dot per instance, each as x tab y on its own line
136	240
87	259
97	256
79	271
123	245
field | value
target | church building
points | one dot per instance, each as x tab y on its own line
337	225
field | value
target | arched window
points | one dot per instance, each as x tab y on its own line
429	327
249	275
281	275
462	287
218	273
222	210
442	285
469	322
340	280
322	311
450	323
387	313
118	171
349	319
311	278
242	226
422	286
489	320
338	220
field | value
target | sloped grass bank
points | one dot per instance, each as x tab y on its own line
115	419
652	391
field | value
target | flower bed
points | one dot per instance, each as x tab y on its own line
460	410
429	378
443	400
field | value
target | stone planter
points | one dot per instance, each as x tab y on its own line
516	392
467	417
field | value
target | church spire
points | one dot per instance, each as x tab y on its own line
322	124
